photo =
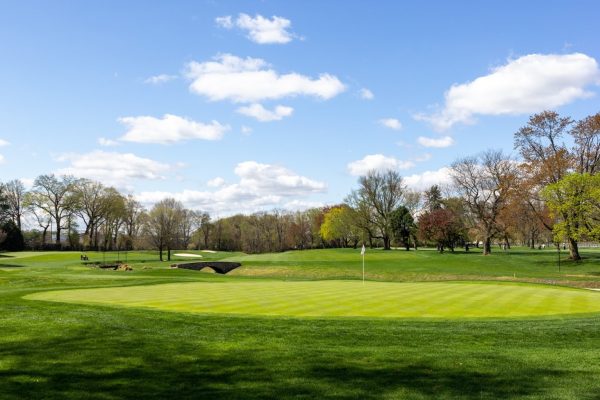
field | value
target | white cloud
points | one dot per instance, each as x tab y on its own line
391	123
107	142
1	159
445	141
377	162
216	182
526	85
423	157
4	143
260	186
366	94
159	79
224	22
27	182
259	29
300	205
250	80
273	178
428	178
246	130
262	114
169	129
116	169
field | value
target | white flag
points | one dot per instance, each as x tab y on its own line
362	252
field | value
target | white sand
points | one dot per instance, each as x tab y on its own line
187	255
208	251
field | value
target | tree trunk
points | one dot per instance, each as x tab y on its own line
168	253
487	246
386	243
160	249
407	245
57	231
573	250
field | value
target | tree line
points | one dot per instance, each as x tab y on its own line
551	194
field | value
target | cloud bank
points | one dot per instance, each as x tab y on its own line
529	84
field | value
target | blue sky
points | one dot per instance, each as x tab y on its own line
462	76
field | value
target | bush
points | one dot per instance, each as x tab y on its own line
13	237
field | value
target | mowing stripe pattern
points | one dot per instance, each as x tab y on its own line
343	299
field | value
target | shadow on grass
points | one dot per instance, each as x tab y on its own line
82	364
435	382
2	265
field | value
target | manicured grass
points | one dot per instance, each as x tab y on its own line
424	265
342	299
57	350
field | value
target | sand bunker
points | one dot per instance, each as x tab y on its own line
187	255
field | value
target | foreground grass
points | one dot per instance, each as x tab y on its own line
71	351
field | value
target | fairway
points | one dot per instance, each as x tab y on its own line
343	299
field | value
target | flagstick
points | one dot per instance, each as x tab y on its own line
362	253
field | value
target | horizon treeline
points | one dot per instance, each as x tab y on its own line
551	195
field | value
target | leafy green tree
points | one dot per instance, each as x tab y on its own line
433	198
339	227
548	158
403	226
13	237
575	201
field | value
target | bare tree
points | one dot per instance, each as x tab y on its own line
206	228
485	184
55	197
162	225
586	151
94	204
132	220
15	191
379	194
548	159
190	222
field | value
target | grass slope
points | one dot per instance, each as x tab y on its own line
424	265
342	299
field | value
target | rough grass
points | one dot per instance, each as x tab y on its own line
519	264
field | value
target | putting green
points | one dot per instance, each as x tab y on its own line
342	298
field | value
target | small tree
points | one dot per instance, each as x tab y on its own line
339	227
15	192
575	201
55	197
485	184
442	227
379	194
162	225
403	226
13	237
